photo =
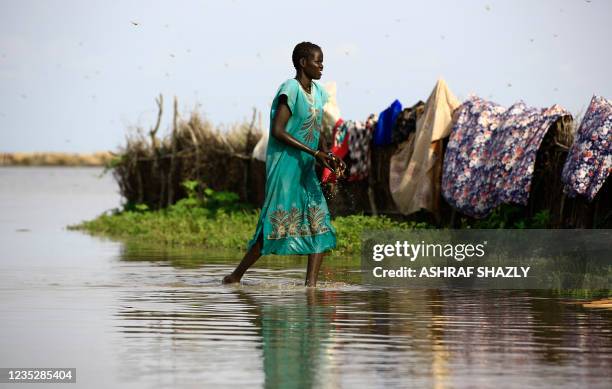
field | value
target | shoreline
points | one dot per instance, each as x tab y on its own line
98	158
182	225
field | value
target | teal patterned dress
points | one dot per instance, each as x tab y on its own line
294	218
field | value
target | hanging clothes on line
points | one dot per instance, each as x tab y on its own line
331	111
589	161
406	122
384	125
491	153
360	137
415	169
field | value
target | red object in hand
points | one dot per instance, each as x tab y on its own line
339	149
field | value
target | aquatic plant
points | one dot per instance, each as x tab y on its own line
218	220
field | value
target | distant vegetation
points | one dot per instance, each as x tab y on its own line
101	158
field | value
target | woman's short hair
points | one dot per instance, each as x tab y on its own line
303	50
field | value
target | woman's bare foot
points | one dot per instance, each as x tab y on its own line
230	279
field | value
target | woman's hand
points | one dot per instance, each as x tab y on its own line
325	160
332	162
339	165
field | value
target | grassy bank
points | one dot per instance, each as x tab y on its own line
210	219
216	220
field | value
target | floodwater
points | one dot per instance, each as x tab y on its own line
129	315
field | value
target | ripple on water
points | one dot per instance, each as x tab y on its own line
351	331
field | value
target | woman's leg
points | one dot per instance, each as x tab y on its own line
249	259
312	272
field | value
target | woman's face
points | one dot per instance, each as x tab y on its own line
313	65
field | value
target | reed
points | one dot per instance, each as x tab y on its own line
150	170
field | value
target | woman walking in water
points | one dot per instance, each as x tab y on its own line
294	218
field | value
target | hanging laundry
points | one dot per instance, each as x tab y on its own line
406	122
331	111
415	169
360	137
491	153
259	152
384	126
340	147
589	161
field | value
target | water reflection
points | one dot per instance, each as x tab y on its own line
273	332
294	339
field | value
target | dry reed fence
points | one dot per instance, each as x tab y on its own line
150	170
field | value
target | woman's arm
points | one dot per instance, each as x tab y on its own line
279	124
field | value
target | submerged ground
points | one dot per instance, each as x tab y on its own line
141	314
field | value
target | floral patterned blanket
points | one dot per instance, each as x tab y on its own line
491	154
589	161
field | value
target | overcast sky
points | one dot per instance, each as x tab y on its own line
75	75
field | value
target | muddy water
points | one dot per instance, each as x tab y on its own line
129	315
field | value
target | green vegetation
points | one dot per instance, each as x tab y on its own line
510	216
582	294
210	219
